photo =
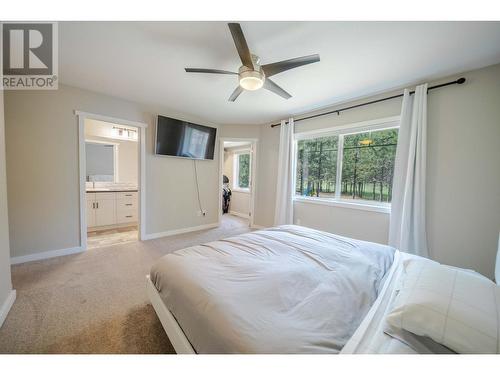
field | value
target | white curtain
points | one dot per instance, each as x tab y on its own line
283	213
407	226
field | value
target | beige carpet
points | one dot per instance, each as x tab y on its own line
95	302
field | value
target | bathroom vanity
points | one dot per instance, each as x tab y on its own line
111	207
111	187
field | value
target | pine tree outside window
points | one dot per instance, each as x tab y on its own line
349	166
242	171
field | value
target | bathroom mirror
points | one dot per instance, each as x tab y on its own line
100	162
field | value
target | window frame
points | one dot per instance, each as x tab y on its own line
341	131
236	170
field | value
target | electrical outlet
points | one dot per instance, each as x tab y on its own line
204	213
201	213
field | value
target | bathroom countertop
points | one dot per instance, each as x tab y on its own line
111	190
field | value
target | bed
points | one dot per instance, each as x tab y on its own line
287	289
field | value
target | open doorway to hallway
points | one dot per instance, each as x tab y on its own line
237	177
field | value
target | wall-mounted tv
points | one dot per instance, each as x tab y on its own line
184	139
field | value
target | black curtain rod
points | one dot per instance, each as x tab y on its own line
337	111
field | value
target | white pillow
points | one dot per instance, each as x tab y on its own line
453	307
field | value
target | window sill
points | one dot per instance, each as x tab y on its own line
383	208
240	190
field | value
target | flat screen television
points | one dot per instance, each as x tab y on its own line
184	139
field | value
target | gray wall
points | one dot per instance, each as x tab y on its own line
42	169
463	201
5	280
463	175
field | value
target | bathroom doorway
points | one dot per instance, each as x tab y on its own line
111	181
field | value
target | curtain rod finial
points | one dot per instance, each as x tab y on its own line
461	80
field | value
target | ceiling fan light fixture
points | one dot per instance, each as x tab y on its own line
251	75
251	80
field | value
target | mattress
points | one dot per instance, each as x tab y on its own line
287	289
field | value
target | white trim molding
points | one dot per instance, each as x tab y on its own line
6	306
173	232
113	120
81	117
356	127
46	255
366	206
236	170
340	132
172	328
253	172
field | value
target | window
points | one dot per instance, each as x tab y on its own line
317	167
348	166
242	171
368	165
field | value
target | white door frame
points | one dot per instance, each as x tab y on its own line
82	116
253	173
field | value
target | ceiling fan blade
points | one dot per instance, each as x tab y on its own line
237	91
271	86
241	44
214	71
281	66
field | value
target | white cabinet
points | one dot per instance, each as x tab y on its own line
123	217
104	209
105	212
90	210
126	207
132	195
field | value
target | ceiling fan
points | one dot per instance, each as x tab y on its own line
251	75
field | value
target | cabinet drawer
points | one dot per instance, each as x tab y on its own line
126	195
126	204
104	196
126	216
90	196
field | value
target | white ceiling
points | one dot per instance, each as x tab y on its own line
144	62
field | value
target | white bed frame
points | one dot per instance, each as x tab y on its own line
174	332
182	345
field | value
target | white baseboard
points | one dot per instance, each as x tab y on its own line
173	232
45	255
6	305
239	214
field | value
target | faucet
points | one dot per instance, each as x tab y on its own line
93	181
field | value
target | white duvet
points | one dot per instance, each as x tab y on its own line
282	290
